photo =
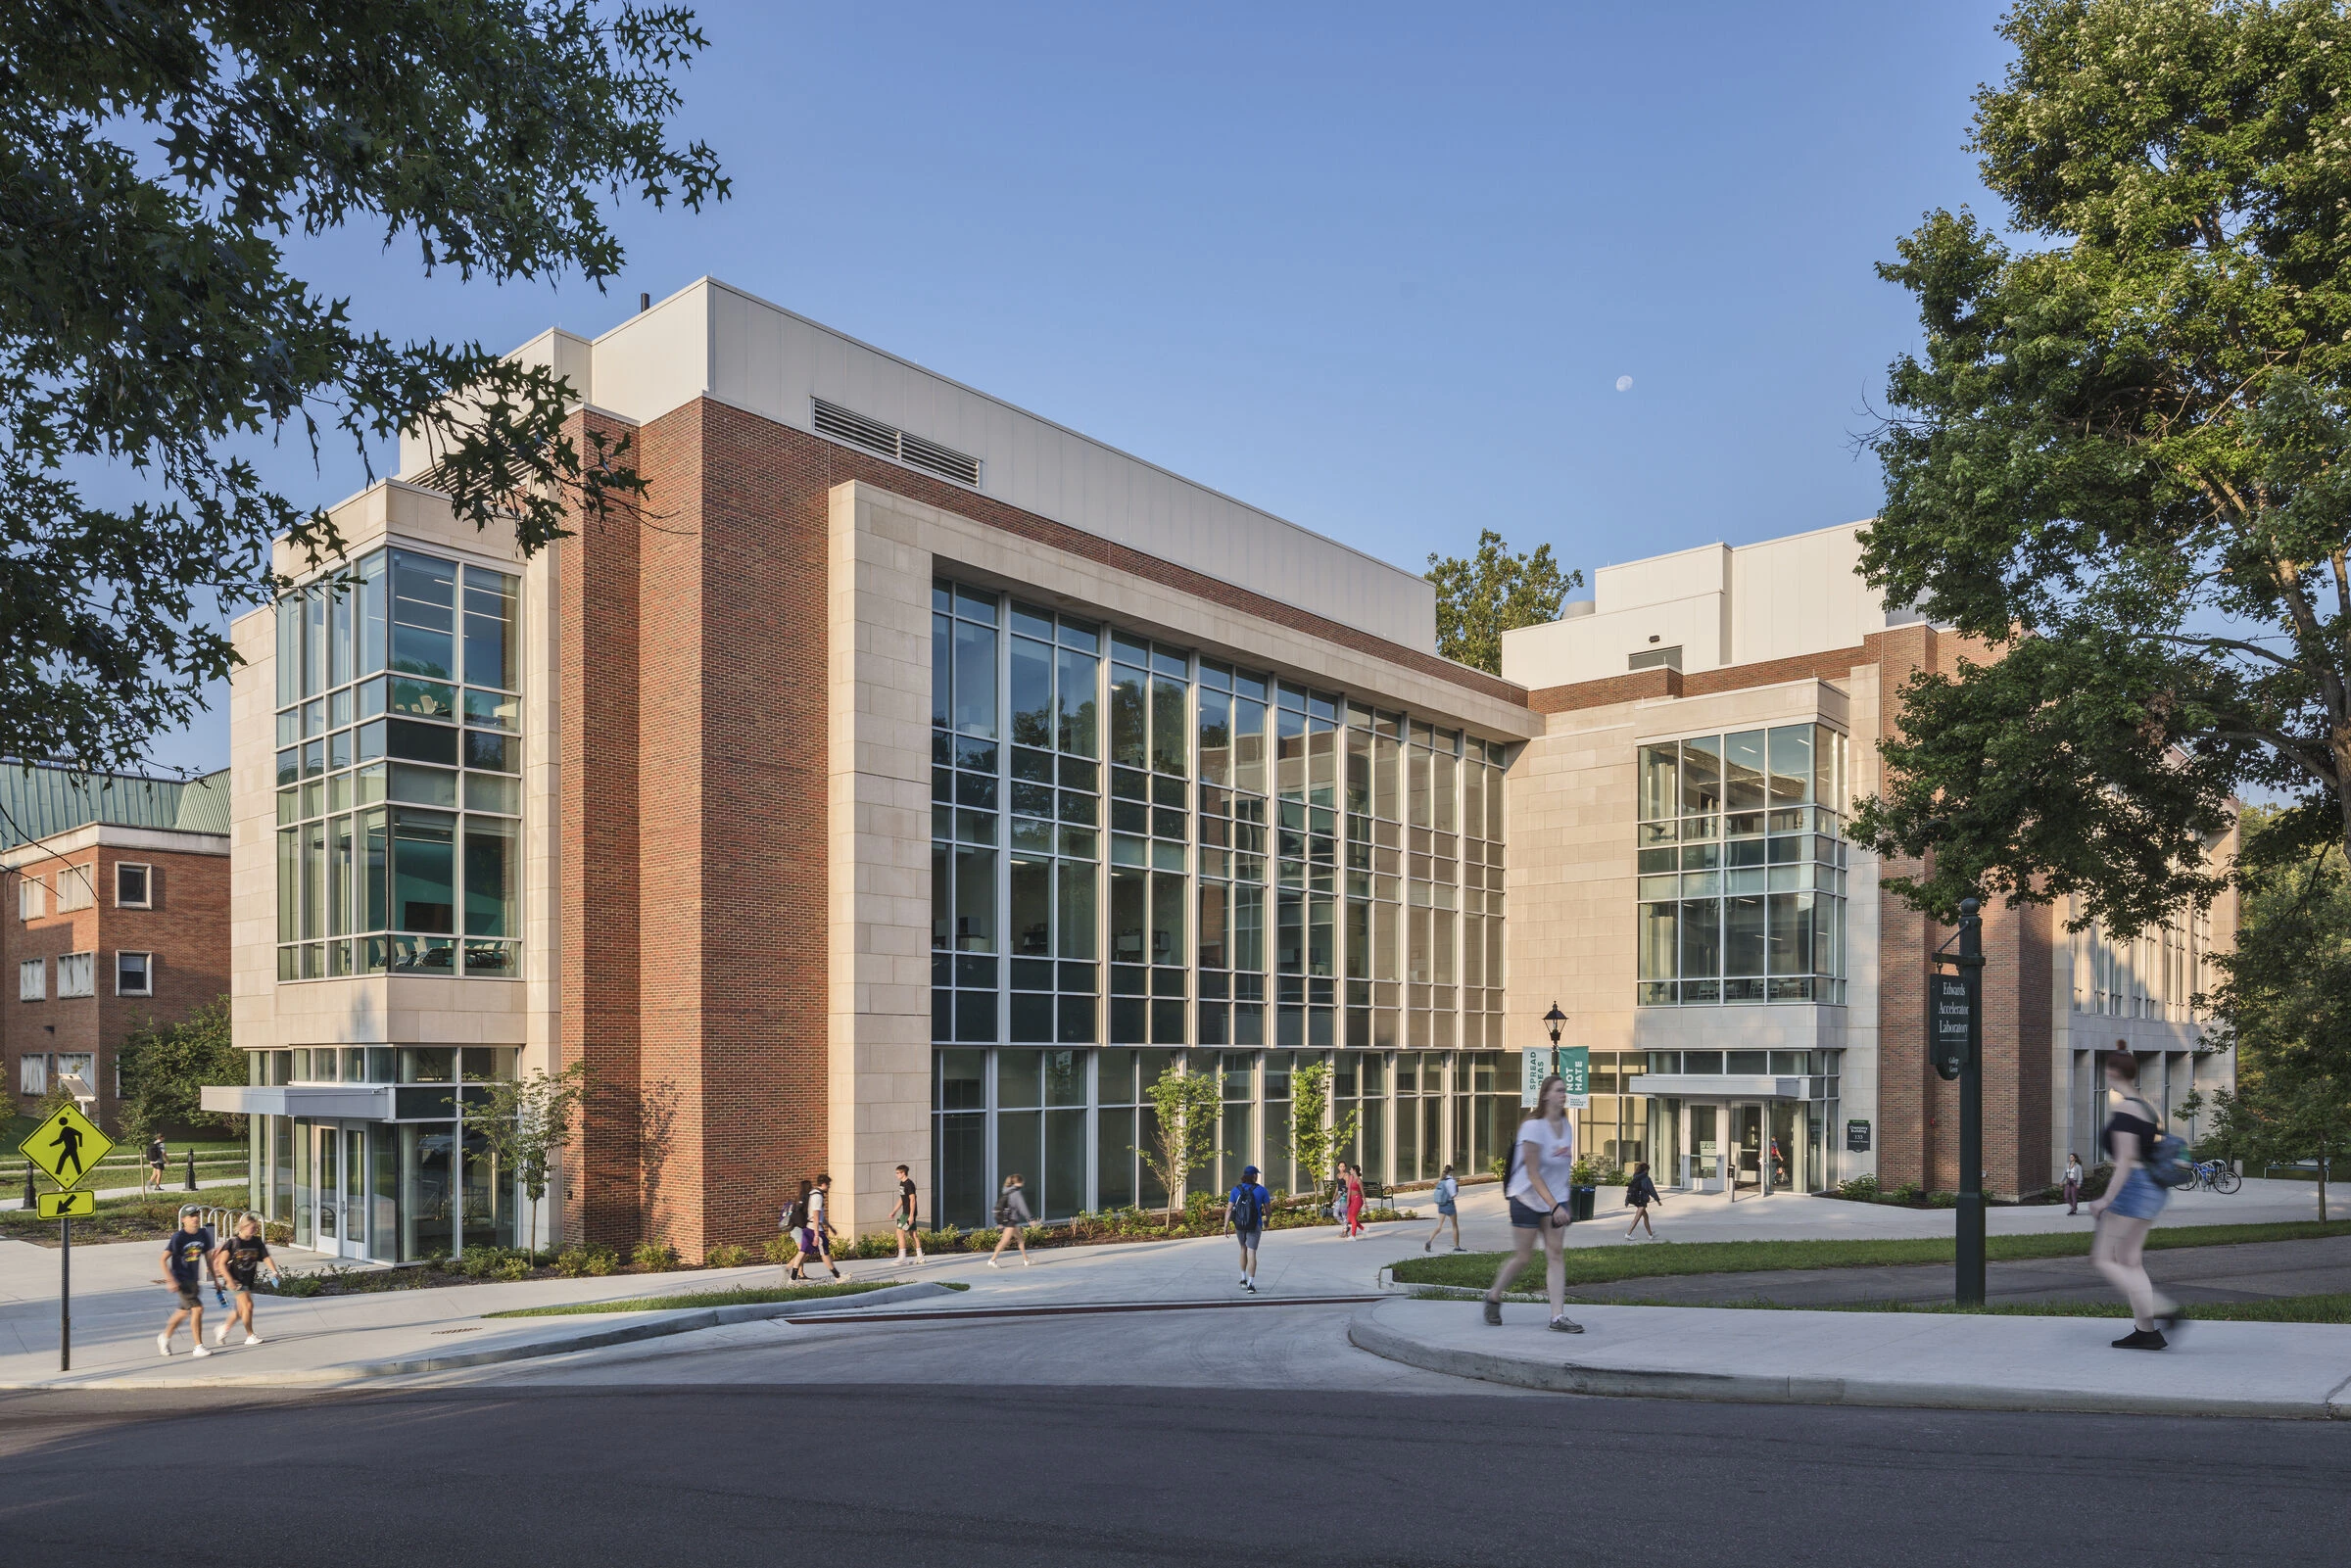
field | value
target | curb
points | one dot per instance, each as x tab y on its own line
1567	1377
655	1324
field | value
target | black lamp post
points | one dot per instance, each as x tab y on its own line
1552	1020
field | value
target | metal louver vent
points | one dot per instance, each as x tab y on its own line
832	419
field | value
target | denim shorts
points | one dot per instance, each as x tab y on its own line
1525	1219
1445	1208
2140	1197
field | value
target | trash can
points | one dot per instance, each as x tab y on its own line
1579	1202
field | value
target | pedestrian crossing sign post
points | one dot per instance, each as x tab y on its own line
67	1146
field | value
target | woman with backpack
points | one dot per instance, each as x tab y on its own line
2128	1211
1641	1192
1448	1196
1013	1217
804	1236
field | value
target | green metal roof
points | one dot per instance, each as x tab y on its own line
41	800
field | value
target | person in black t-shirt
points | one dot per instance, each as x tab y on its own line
187	1252
242	1258
906	1217
157	1156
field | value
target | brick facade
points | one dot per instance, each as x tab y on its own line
185	927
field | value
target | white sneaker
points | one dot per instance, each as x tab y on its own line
220	1335
163	1343
1024	1259
253	1339
198	1351
992	1263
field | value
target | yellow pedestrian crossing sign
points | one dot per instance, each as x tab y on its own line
67	1146
68	1205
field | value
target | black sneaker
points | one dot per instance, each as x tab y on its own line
2142	1339
1494	1311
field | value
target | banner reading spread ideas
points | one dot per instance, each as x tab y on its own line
1574	1066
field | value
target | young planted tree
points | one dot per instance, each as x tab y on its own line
2120	459
1493	592
1314	1140
166	1067
1183	1137
524	1123
155	159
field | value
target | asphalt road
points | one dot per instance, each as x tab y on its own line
975	1475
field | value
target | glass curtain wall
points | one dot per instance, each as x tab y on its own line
1143	858
1741	856
399	772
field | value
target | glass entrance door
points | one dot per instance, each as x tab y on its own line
339	1168
1747	1146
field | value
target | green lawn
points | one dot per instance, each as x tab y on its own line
2329	1309
119	1218
1591	1266
747	1295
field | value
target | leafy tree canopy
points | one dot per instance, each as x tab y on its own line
152	161
2120	461
166	1067
1491	592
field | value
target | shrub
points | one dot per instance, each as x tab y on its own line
299	1285
1909	1192
726	1255
602	1260
1942	1200
572	1262
781	1248
653	1256
2095	1178
1863	1189
514	1265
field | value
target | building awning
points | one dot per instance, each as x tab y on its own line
349	1102
1717	1086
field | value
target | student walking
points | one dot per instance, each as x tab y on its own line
242	1258
1538	1177
187	1252
2072	1183
2128	1211
1448	1196
1245	1209
1354	1200
804	1239
904	1217
820	1222
1013	1219
157	1157
1641	1192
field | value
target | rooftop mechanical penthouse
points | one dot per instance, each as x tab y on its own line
915	781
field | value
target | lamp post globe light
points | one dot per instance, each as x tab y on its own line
1552	1020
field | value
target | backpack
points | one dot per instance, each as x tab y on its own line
791	1218
2168	1164
1003	1208
1247	1214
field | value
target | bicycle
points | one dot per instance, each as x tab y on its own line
2217	1175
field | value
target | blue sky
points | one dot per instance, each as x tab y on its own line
1377	268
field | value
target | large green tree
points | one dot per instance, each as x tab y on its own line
2119	460
1492	592
153	160
166	1069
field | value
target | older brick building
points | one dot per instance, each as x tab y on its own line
909	779
113	917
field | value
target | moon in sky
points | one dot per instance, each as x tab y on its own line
1624	383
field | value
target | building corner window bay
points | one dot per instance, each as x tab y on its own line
1145	856
399	771
1741	857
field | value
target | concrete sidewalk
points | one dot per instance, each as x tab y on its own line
2292	1371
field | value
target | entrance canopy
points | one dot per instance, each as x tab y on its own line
1717	1086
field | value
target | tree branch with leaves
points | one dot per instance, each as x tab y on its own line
1492	592
154	161
2120	462
1184	1134
524	1123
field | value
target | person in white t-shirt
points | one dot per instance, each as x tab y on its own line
1542	1165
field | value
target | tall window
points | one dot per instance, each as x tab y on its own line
1143	857
32	900
32	980
77	974
399	772
1741	867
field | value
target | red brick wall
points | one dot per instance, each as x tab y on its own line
596	607
185	927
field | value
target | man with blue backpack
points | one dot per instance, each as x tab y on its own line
1245	1209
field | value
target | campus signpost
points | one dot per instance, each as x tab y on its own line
67	1146
1955	1042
